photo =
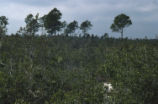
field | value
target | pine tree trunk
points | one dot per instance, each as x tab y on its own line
122	33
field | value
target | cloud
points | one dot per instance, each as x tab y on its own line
31	2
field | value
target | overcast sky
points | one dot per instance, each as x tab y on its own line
144	14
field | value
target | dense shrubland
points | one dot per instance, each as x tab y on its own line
72	70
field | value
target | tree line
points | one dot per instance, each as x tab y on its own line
52	24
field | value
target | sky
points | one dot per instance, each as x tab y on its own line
143	13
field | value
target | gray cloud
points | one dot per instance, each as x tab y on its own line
31	2
101	12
